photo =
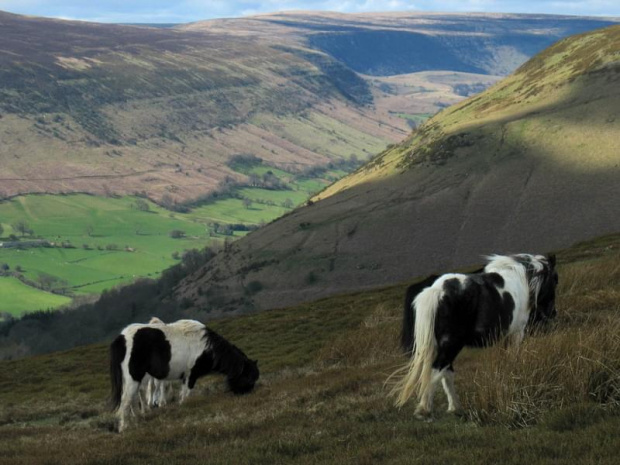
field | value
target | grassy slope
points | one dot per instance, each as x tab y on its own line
556	93
321	397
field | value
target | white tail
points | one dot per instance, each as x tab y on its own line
418	376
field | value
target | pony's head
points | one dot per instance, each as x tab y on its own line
243	381
543	279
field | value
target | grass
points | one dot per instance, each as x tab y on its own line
417	118
18	298
98	222
321	134
321	397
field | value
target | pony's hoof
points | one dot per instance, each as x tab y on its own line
457	412
422	415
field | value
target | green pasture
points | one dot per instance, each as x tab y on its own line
232	210
113	242
417	118
18	298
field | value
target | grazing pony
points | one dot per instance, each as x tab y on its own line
449	312
185	350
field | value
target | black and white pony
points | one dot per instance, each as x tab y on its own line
185	350
445	313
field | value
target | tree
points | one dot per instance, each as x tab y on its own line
1	230
167	202
353	160
247	203
142	205
177	234
89	230
216	227
22	227
48	281
254	179
288	203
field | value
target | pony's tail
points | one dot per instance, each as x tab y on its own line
407	330
418	373
118	350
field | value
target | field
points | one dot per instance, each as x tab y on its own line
110	241
18	298
322	399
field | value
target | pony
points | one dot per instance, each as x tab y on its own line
446	313
184	350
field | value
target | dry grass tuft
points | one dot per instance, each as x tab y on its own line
577	361
375	340
516	386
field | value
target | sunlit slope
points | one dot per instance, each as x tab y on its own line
530	165
562	104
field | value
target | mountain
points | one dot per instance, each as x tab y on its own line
529	165
385	44
105	108
119	109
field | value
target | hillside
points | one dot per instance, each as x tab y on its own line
111	109
105	108
321	397
529	165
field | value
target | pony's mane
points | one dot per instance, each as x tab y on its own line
525	265
188	327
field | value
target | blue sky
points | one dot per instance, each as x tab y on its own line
181	11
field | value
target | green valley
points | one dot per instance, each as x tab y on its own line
91	243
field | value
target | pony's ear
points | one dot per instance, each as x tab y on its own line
551	259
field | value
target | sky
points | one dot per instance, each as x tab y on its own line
183	11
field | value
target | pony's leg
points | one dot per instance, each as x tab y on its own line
515	339
160	388
448	386
130	389
150	394
425	407
185	390
449	348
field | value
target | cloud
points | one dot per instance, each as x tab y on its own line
194	10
